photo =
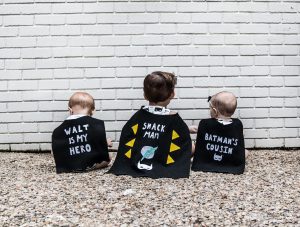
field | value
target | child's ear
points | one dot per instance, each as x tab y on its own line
70	110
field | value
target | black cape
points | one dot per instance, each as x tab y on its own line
79	144
154	146
219	148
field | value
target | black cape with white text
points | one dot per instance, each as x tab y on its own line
78	144
219	148
154	146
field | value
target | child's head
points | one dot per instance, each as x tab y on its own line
159	88
81	103
222	104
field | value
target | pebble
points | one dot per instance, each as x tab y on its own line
267	194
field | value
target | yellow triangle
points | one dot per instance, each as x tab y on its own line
170	160
130	143
174	135
174	147
135	128
128	154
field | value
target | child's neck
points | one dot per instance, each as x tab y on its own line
161	104
222	117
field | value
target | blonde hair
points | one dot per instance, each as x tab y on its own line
225	102
84	100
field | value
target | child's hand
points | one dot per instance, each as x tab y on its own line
109	142
193	128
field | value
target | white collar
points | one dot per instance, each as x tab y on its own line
225	121
75	116
158	110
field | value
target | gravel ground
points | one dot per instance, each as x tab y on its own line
268	193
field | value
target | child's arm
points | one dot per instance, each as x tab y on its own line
193	129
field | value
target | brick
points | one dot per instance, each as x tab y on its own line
10	96
193	50
209	39
193	114
292	39
114	126
23	85
5	147
254	50
136	7
98	7
65	30
191	28
248	123
11	138
10	117
130	51
268	60
269	82
207	17
253	7
177	40
239	39
66	8
269	123
124	115
292	81
254	28
238	82
25	147
223	7
255	71
99	72
37	74
254	92
51	63
37	95
22	127
116	83
292	142
130	94
223	28
37	117
224	50
256	133
294	60
192	93
175	18
37	137
283	92
284	50
49	19
291	123
143	18
20	64
208	61
51	41
283	132
224	71
9	53
52	106
177	61
84	41
193	7
82	62
114	62
3	128
160	7
282	7
81	19
116	104
112	19
291	102
160	29
269	102
20	42
249	143
284	29
8	31
18	20
116	40
67	52
266	18
162	50
283	112
269	143
34	31
53	84
146	61
131	72
236	17
45	146
238	61
128	29
83	83
3	85
105	115
269	39
22	107
33	53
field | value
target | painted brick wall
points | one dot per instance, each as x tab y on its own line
49	49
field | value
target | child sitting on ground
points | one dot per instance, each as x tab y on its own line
220	141
79	143
155	142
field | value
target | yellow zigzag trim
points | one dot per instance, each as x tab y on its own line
130	143
128	154
174	135
174	147
170	160
135	128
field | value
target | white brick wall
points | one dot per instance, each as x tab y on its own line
49	49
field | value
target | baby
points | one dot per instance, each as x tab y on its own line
79	143
220	141
155	142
